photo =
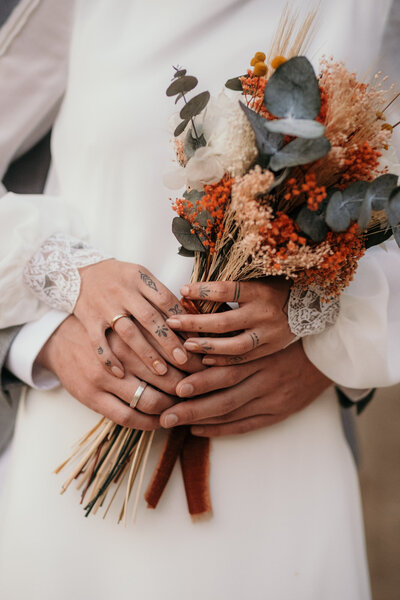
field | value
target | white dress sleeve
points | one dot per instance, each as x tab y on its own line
362	348
34	43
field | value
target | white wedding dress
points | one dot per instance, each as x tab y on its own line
287	520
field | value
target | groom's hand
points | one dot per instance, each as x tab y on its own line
238	399
68	354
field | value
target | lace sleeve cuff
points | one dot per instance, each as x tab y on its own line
307	313
52	272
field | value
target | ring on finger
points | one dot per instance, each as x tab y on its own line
117	317
138	394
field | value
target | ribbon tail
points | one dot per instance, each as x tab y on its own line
195	464
166	463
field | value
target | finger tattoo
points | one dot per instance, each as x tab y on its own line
147	280
100	350
108	363
162	331
254	338
204	291
236	293
176	310
236	359
206	347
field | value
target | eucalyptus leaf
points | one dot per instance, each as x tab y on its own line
183	252
393	208
365	213
180	73
292	90
203	217
312	224
182	85
193	195
267	143
182	230
380	189
195	106
337	216
234	84
304	128
353	196
192	144
179	96
180	128
300	152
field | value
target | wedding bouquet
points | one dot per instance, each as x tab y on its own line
284	175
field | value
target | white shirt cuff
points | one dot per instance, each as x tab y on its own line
26	347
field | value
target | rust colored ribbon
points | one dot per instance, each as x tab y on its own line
194	455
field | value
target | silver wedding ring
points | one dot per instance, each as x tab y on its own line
138	394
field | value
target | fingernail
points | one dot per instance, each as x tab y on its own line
186	389
197	430
208	361
174	323
117	372
170	420
185	290
160	367
179	355
192	346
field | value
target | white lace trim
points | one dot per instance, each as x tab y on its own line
52	272
307	313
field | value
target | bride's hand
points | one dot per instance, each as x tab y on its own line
261	319
241	398
112	288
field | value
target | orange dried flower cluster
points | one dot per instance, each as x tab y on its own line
282	235
337	268
314	194
361	164
215	200
254	87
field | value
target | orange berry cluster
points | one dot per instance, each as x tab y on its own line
314	194
361	164
338	267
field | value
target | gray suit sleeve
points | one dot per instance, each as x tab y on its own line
10	389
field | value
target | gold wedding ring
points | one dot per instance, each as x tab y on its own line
138	394
117	317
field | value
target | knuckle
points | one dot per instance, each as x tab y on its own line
165	298
148	314
125	419
242	346
190	415
124	327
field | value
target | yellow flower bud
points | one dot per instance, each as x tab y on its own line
253	61
387	126
259	56
260	69
277	61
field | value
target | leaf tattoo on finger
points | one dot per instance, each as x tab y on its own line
100	350
204	291
147	280
176	310
162	331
